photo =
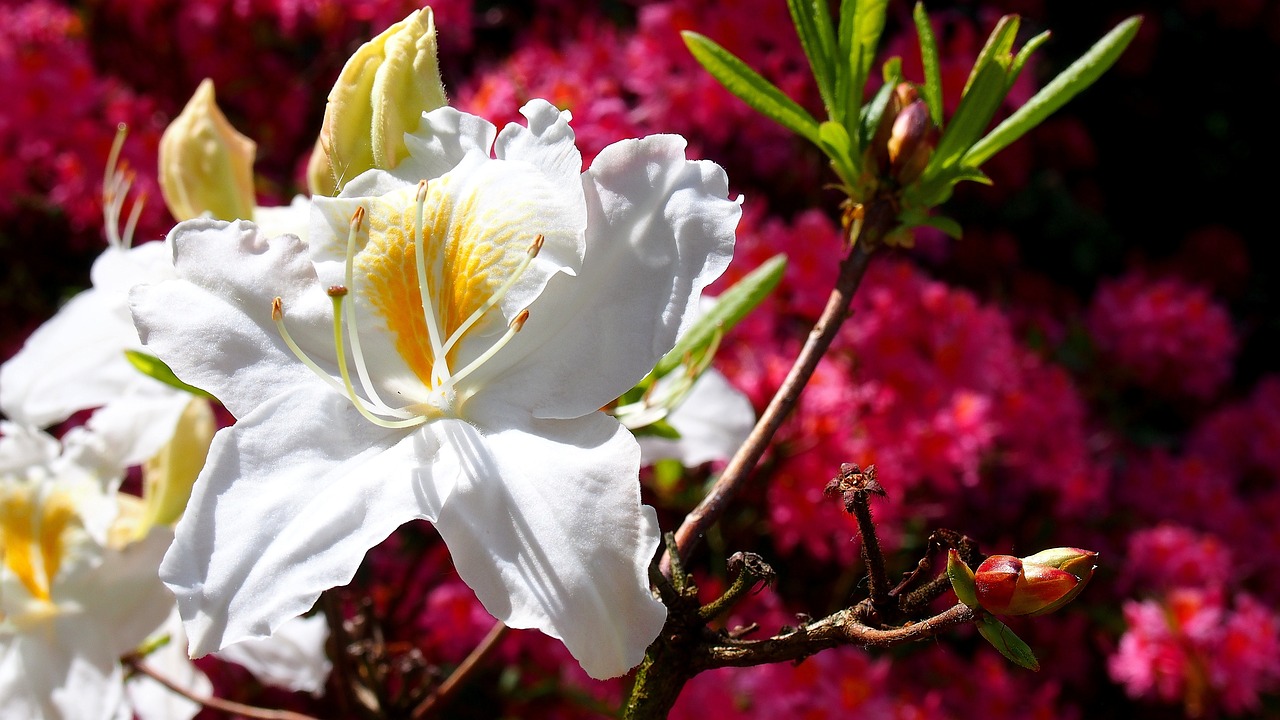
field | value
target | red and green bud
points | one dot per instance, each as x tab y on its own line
1035	585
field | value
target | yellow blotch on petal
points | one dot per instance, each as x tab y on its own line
33	531
469	252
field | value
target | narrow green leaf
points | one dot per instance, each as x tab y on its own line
867	25
942	223
873	111
730	308
835	142
936	189
932	66
750	87
1015	69
1009	644
153	366
1081	74
818	41
976	109
998	46
846	90
658	428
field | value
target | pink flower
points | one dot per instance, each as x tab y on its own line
1164	334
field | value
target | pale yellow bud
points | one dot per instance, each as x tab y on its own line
381	94
167	478
205	165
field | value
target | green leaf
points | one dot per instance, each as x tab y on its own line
943	223
873	111
1009	644
750	87
962	580
937	189
813	24
976	109
835	142
1080	75
1015	69
868	25
845	90
730	308
153	366
932	66
997	50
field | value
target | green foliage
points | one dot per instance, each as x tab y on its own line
840	58
153	366
1007	642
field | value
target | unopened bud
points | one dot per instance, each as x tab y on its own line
1006	585
167	478
911	142
206	166
381	94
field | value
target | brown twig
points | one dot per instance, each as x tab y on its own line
855	486
226	706
841	628
437	698
730	482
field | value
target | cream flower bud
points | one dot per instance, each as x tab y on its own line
381	94
206	166
167	478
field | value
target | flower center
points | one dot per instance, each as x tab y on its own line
432	284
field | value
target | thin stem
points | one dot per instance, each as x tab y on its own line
872	556
730	482
439	697
841	628
226	706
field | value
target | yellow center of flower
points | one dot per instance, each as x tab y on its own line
33	532
431	270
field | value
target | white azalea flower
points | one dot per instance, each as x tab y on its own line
71	602
366	397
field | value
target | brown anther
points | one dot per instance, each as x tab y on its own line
520	319
357	218
277	309
421	194
337	290
536	247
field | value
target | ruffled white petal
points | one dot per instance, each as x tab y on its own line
291	498
660	228
442	139
547	527
547	142
293	658
291	219
213	326
713	421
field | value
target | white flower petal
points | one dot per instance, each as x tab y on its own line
291	498
548	142
291	219
62	669
292	658
713	421
547	527
213	326
659	230
443	138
